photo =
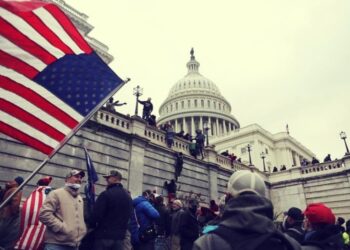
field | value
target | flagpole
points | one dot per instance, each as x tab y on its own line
67	138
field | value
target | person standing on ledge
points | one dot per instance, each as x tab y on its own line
147	108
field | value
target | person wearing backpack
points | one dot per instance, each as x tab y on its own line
247	221
322	233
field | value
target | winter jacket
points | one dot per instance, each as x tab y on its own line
12	207
328	238
9	231
188	229
163	223
111	213
146	214
62	213
296	232
247	216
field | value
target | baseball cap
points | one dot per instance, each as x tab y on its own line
113	173
245	181
75	172
295	213
318	213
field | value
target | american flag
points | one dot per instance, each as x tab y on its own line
33	230
50	78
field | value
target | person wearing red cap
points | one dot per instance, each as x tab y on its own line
322	233
32	229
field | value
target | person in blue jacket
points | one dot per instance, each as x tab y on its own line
145	216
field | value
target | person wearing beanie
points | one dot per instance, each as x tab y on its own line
247	220
321	231
293	224
32	229
176	212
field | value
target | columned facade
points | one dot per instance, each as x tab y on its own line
195	102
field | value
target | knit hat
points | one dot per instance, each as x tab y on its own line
246	181
45	181
318	213
19	180
295	213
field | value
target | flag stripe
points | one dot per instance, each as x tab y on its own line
29	131
36	112
17	65
16	37
30	119
54	25
19	135
66	114
44	28
69	27
21	54
32	228
41	103
30	32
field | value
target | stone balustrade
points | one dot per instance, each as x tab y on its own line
295	173
157	136
325	167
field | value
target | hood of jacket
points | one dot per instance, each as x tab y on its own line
138	200
249	213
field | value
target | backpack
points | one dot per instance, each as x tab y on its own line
243	241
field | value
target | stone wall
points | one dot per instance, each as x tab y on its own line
328	183
139	152
129	145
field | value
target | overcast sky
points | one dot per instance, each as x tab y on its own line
277	62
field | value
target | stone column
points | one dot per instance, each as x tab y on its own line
211	127
224	126
193	133
176	126
136	165
217	126
184	127
213	181
201	123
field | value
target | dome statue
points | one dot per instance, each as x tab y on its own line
195	102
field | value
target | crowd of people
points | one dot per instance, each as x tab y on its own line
243	219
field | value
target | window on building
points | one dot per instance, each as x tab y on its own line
219	106
208	103
195	103
189	103
202	103
182	104
214	105
176	106
167	110
266	151
244	150
171	107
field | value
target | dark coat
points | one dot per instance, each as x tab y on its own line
111	213
296	232
188	229
163	223
249	215
329	237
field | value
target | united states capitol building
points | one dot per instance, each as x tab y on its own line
195	102
139	151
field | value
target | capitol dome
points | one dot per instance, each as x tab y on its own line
195	102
